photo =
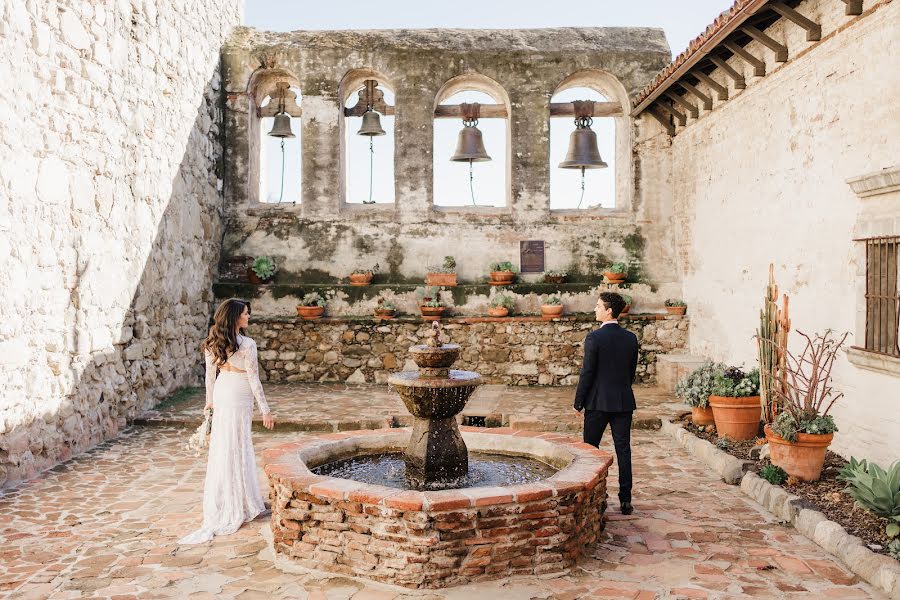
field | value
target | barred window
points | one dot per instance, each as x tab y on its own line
882	297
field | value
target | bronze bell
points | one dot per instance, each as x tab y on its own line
281	128
470	146
371	124
583	152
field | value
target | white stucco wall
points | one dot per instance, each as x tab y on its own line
762	178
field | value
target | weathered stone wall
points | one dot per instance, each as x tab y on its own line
514	350
321	239
110	224
763	178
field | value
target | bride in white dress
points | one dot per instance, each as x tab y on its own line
231	495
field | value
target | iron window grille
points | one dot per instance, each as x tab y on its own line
882	295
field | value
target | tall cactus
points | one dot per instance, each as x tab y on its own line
771	343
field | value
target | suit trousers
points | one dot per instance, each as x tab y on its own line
595	422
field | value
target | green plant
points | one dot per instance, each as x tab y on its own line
628	299
893	548
675	302
875	489
552	300
503	301
427	292
786	426
448	266
555	273
723	443
617	268
771	340
733	382
385	304
433	303
772	474
505	266
696	388
312	299
264	267
371	271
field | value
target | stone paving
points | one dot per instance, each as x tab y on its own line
105	525
340	407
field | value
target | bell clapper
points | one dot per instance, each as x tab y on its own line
580	200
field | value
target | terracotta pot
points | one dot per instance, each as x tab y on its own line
551	311
804	458
614	277
736	418
441	279
502	277
702	416
432	313
625	310
385	313
554	279
361	278
676	310
498	311
255	279
310	313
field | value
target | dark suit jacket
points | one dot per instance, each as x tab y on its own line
610	363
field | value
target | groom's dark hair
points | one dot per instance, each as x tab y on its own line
613	301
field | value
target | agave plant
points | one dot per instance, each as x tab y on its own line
876	490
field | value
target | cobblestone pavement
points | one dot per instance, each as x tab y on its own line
339	406
106	523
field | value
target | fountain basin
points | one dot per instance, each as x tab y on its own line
435	539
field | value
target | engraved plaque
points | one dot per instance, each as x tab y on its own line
531	256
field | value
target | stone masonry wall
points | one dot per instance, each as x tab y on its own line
764	177
110	174
514	351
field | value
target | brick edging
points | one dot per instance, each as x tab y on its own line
882	572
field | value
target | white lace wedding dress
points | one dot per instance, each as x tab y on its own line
231	494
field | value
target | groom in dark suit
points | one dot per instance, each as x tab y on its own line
604	389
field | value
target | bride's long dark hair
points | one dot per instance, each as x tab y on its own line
222	339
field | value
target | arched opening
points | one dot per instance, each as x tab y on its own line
280	174
368	156
460	182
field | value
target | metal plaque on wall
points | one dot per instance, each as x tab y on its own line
531	256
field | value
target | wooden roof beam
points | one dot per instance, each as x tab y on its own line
720	89
780	50
759	67
738	78
813	29
680	117
854	7
707	101
661	119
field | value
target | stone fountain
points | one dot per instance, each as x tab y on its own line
434	395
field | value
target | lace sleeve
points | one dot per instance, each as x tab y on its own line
210	376
252	367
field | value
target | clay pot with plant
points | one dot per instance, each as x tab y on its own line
311	307
676	307
803	429
628	299
555	277
616	273
502	273
443	274
735	403
262	270
551	307
432	309
501	305
695	390
385	309
360	277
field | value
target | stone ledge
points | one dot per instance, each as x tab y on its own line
873	361
878	182
880	571
463	319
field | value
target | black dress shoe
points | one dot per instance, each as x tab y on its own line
627	508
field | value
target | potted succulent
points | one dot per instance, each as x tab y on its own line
628	299
262	270
616	272
551	307
675	306
502	273
735	403
363	276
695	390
443	274
803	429
432	309
385	309
311	307
501	305
556	277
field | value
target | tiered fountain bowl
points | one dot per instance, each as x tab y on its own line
413	508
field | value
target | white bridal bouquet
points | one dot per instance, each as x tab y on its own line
200	439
